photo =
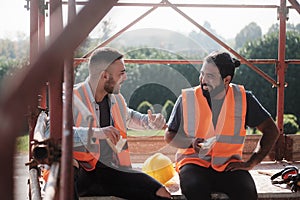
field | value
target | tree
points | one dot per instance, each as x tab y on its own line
205	41
13	55
289	27
267	48
251	32
156	83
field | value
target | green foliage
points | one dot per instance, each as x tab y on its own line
289	27
204	41
290	125
144	106
22	144
81	72
13	55
145	133
267	48
167	109
156	83
251	32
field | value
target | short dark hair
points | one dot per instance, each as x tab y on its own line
101	58
225	63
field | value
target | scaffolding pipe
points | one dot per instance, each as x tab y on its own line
295	5
34	185
67	171
41	46
257	70
33	54
121	31
78	61
281	67
28	82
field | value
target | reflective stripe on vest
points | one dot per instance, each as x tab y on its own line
230	130
88	158
119	111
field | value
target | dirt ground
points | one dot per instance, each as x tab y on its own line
21	177
140	152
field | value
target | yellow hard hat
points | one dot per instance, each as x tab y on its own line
160	167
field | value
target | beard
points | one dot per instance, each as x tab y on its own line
111	87
220	88
214	92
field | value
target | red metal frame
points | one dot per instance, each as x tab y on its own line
48	66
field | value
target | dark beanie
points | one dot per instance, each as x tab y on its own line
224	62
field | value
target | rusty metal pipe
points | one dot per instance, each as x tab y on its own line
121	31
67	171
281	67
256	69
23	88
35	189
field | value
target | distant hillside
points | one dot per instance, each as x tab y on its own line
160	38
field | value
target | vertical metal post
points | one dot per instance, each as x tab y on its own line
34	37
41	47
23	88
55	84
67	171
280	145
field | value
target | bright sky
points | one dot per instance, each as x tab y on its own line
14	18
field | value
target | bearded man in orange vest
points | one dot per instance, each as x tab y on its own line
208	126
104	164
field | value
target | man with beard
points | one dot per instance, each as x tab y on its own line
208	126
104	167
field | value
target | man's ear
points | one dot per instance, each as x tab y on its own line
104	75
227	79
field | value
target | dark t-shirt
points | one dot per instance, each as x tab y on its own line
255	113
106	153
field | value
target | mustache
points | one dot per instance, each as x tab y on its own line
205	84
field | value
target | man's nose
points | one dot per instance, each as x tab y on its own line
125	76
202	79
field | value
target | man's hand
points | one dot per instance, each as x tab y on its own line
156	121
197	144
238	166
108	132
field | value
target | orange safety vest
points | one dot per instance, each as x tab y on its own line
88	155
230	129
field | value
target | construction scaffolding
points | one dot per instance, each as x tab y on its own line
53	64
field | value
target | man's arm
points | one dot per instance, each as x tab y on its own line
139	121
270	135
81	135
175	135
178	140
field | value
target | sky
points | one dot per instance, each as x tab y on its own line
227	22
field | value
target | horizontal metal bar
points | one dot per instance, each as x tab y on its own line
162	61
199	5
184	5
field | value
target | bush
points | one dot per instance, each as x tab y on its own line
290	125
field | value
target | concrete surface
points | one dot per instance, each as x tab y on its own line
260	174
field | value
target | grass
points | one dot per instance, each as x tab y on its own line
22	144
145	133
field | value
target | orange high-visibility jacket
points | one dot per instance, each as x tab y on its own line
89	155
229	131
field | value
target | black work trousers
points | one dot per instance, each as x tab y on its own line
125	183
198	182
